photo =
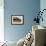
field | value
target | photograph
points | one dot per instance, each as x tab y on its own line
17	19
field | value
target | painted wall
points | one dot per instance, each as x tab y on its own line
28	8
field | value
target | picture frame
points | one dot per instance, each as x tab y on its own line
17	19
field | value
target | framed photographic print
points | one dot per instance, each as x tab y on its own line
17	19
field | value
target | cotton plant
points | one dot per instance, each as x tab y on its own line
39	16
28	39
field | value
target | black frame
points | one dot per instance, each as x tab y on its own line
17	15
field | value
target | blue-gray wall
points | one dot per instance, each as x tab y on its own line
28	8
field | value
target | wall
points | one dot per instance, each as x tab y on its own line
19	7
